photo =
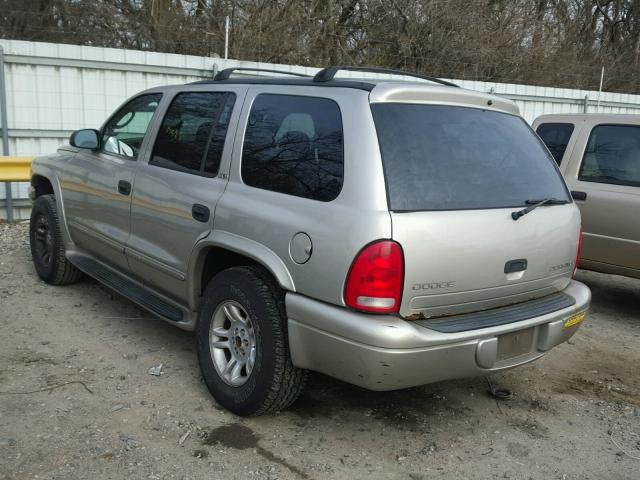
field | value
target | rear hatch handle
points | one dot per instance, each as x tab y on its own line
533	204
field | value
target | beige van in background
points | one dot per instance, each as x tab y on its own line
599	156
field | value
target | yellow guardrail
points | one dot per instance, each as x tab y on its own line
15	169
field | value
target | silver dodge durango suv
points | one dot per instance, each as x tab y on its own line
388	233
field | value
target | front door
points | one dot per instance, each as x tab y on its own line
96	186
176	190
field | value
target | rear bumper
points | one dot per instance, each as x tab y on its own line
388	353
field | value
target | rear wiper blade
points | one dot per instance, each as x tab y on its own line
546	201
533	204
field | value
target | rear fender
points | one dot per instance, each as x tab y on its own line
238	244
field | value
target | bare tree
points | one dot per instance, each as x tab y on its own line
546	42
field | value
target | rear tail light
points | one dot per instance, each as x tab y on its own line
577	262
374	282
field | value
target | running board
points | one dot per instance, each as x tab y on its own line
129	289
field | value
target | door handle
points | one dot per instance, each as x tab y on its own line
578	195
124	187
200	212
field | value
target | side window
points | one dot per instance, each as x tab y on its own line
294	145
612	156
556	137
124	132
193	131
216	144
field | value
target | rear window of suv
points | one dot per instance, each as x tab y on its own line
440	157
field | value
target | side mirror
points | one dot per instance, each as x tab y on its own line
85	138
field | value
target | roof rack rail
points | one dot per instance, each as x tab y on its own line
226	73
327	74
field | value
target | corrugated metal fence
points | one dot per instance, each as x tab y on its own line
53	89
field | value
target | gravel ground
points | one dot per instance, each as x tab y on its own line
77	401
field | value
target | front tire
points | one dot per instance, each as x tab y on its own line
242	343
47	244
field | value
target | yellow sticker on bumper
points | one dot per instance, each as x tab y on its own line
574	320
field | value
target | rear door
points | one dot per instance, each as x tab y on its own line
176	190
454	176
604	176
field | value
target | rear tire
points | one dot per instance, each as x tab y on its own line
249	371
47	244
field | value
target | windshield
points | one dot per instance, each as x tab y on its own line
440	157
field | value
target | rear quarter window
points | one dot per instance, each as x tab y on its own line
612	156
294	145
